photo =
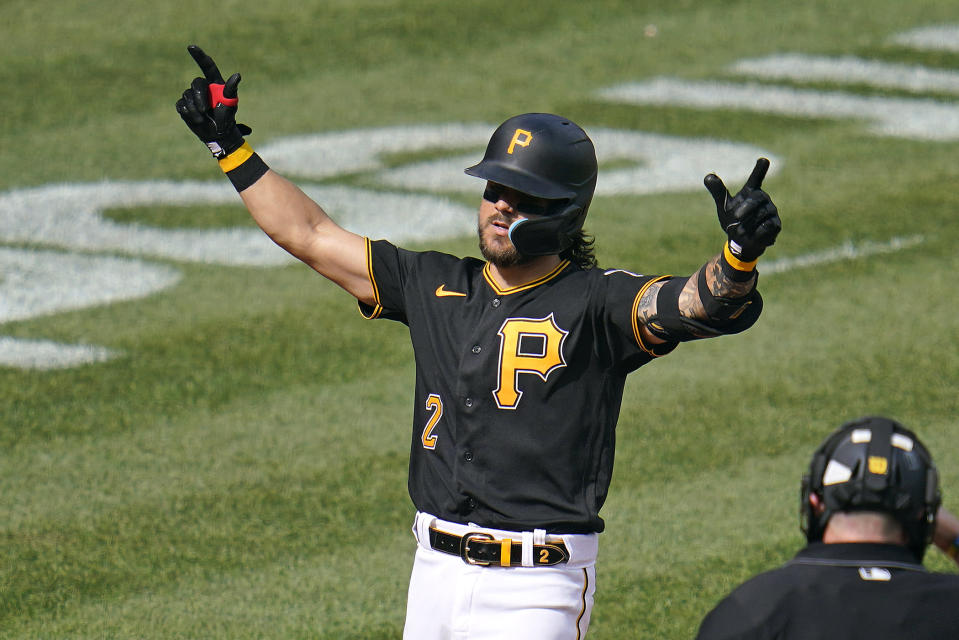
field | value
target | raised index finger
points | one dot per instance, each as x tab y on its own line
207	66
759	172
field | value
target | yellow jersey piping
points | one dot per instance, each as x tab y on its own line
635	316
377	308
523	287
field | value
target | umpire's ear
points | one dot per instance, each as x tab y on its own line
816	503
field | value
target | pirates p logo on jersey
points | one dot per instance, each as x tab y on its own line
527	346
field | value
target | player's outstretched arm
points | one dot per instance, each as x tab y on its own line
280	208
721	297
299	225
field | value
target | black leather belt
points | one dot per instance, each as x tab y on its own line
484	550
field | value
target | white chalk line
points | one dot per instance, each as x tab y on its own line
45	355
850	70
915	118
845	251
940	37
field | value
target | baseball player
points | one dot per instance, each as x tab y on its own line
521	358
869	506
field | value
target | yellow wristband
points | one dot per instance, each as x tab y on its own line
733	261
236	158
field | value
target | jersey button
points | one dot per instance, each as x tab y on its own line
469	402
468	456
495	302
477	349
471	503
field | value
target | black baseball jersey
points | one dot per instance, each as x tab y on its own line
849	591
517	390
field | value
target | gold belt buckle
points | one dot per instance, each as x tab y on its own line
465	548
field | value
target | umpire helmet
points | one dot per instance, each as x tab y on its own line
873	464
545	156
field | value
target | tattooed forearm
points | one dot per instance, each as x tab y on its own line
690	305
708	303
720	286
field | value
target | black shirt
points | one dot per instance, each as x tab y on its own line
842	591
517	390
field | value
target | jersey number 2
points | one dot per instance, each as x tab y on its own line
435	404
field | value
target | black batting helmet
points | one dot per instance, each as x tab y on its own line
873	464
546	156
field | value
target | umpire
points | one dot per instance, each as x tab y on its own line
869	506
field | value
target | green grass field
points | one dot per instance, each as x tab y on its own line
236	467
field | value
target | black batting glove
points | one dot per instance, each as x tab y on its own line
750	219
209	107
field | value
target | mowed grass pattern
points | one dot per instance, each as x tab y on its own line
238	470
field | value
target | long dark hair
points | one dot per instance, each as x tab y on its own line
581	252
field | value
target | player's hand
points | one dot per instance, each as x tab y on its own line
209	106
749	218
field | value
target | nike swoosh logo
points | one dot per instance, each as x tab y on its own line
441	292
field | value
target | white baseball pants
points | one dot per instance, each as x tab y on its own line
452	600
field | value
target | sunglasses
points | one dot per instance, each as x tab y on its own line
496	192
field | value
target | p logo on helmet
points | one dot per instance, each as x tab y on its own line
521	137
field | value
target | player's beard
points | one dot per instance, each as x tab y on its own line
504	254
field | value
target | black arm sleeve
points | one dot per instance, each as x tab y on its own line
724	316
